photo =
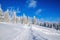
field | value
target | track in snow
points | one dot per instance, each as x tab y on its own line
23	32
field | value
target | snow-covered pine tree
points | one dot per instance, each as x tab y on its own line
17	19
34	20
1	14
38	21
29	20
24	19
6	16
14	17
21	19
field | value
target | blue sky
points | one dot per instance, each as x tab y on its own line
48	10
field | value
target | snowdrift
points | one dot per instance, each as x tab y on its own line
13	31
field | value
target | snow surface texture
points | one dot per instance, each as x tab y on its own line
9	31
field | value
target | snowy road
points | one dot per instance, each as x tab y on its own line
25	32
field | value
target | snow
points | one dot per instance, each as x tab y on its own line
13	31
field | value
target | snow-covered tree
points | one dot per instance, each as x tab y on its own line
6	16
1	14
34	20
29	20
14	17
0	10
18	19
38	21
21	19
24	19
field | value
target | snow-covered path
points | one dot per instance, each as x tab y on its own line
25	32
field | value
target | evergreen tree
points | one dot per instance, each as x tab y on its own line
14	17
1	14
6	16
29	20
24	19
34	20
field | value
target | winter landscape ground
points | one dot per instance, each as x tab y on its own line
29	19
10	31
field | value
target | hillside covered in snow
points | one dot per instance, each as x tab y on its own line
9	16
13	27
10	31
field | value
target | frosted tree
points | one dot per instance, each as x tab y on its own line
0	10
21	19
34	20
6	16
18	19
14	17
1	14
29	20
24	19
38	21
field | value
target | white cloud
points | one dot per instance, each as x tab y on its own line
38	11
32	3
